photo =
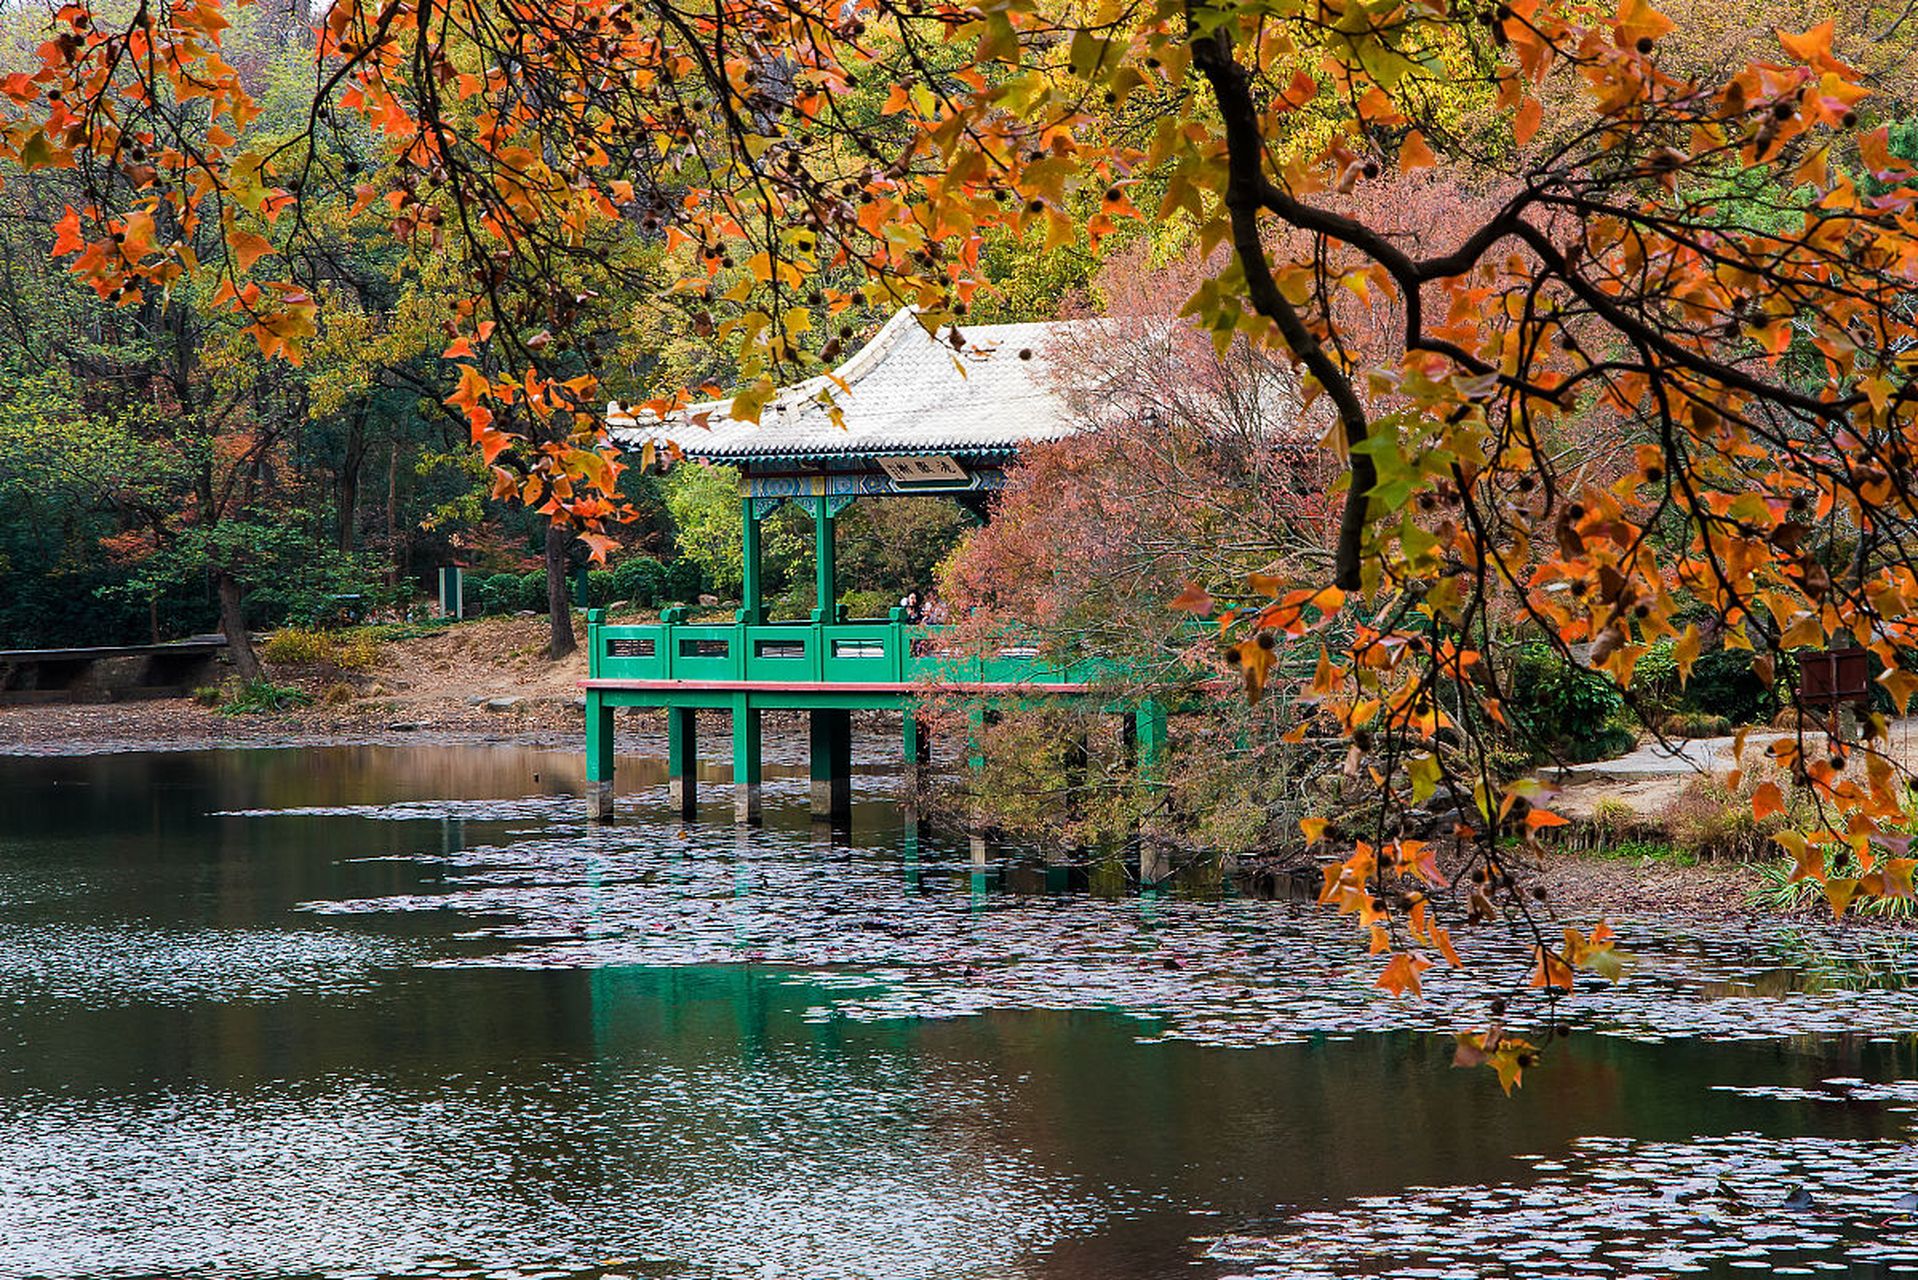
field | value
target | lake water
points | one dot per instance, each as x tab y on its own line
398	1012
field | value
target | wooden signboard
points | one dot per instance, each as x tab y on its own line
1834	677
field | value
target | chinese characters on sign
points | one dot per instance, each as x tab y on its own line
938	469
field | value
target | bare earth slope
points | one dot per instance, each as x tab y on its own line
481	680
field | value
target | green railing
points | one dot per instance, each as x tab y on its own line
850	651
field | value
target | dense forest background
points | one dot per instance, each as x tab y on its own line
152	458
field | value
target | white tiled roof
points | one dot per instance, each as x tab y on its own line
906	391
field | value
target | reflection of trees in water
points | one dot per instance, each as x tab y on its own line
1809	963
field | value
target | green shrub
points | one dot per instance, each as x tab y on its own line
532	591
683	581
640	579
207	695
1724	683
1562	711
494	593
263	697
1655	676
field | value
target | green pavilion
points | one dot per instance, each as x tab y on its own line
925	417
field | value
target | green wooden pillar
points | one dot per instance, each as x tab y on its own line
746	761
599	757
916	749
682	760
832	767
916	745
1150	718
825	560
1150	735
975	783
752	600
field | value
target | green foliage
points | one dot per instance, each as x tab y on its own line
1777	891
704	505
640	579
684	581
891	547
532	591
1724	690
868	604
263	697
1561	711
495	593
1648	851
288	577
1725	684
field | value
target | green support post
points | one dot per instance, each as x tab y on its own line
915	749
752	603
975	782
746	761
599	757
832	767
825	566
1150	734
682	760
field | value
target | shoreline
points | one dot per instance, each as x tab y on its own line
1579	883
177	724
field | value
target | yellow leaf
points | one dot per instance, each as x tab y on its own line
1685	654
1900	684
1808	860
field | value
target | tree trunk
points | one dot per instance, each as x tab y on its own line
347	498
396	568
558	608
239	645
